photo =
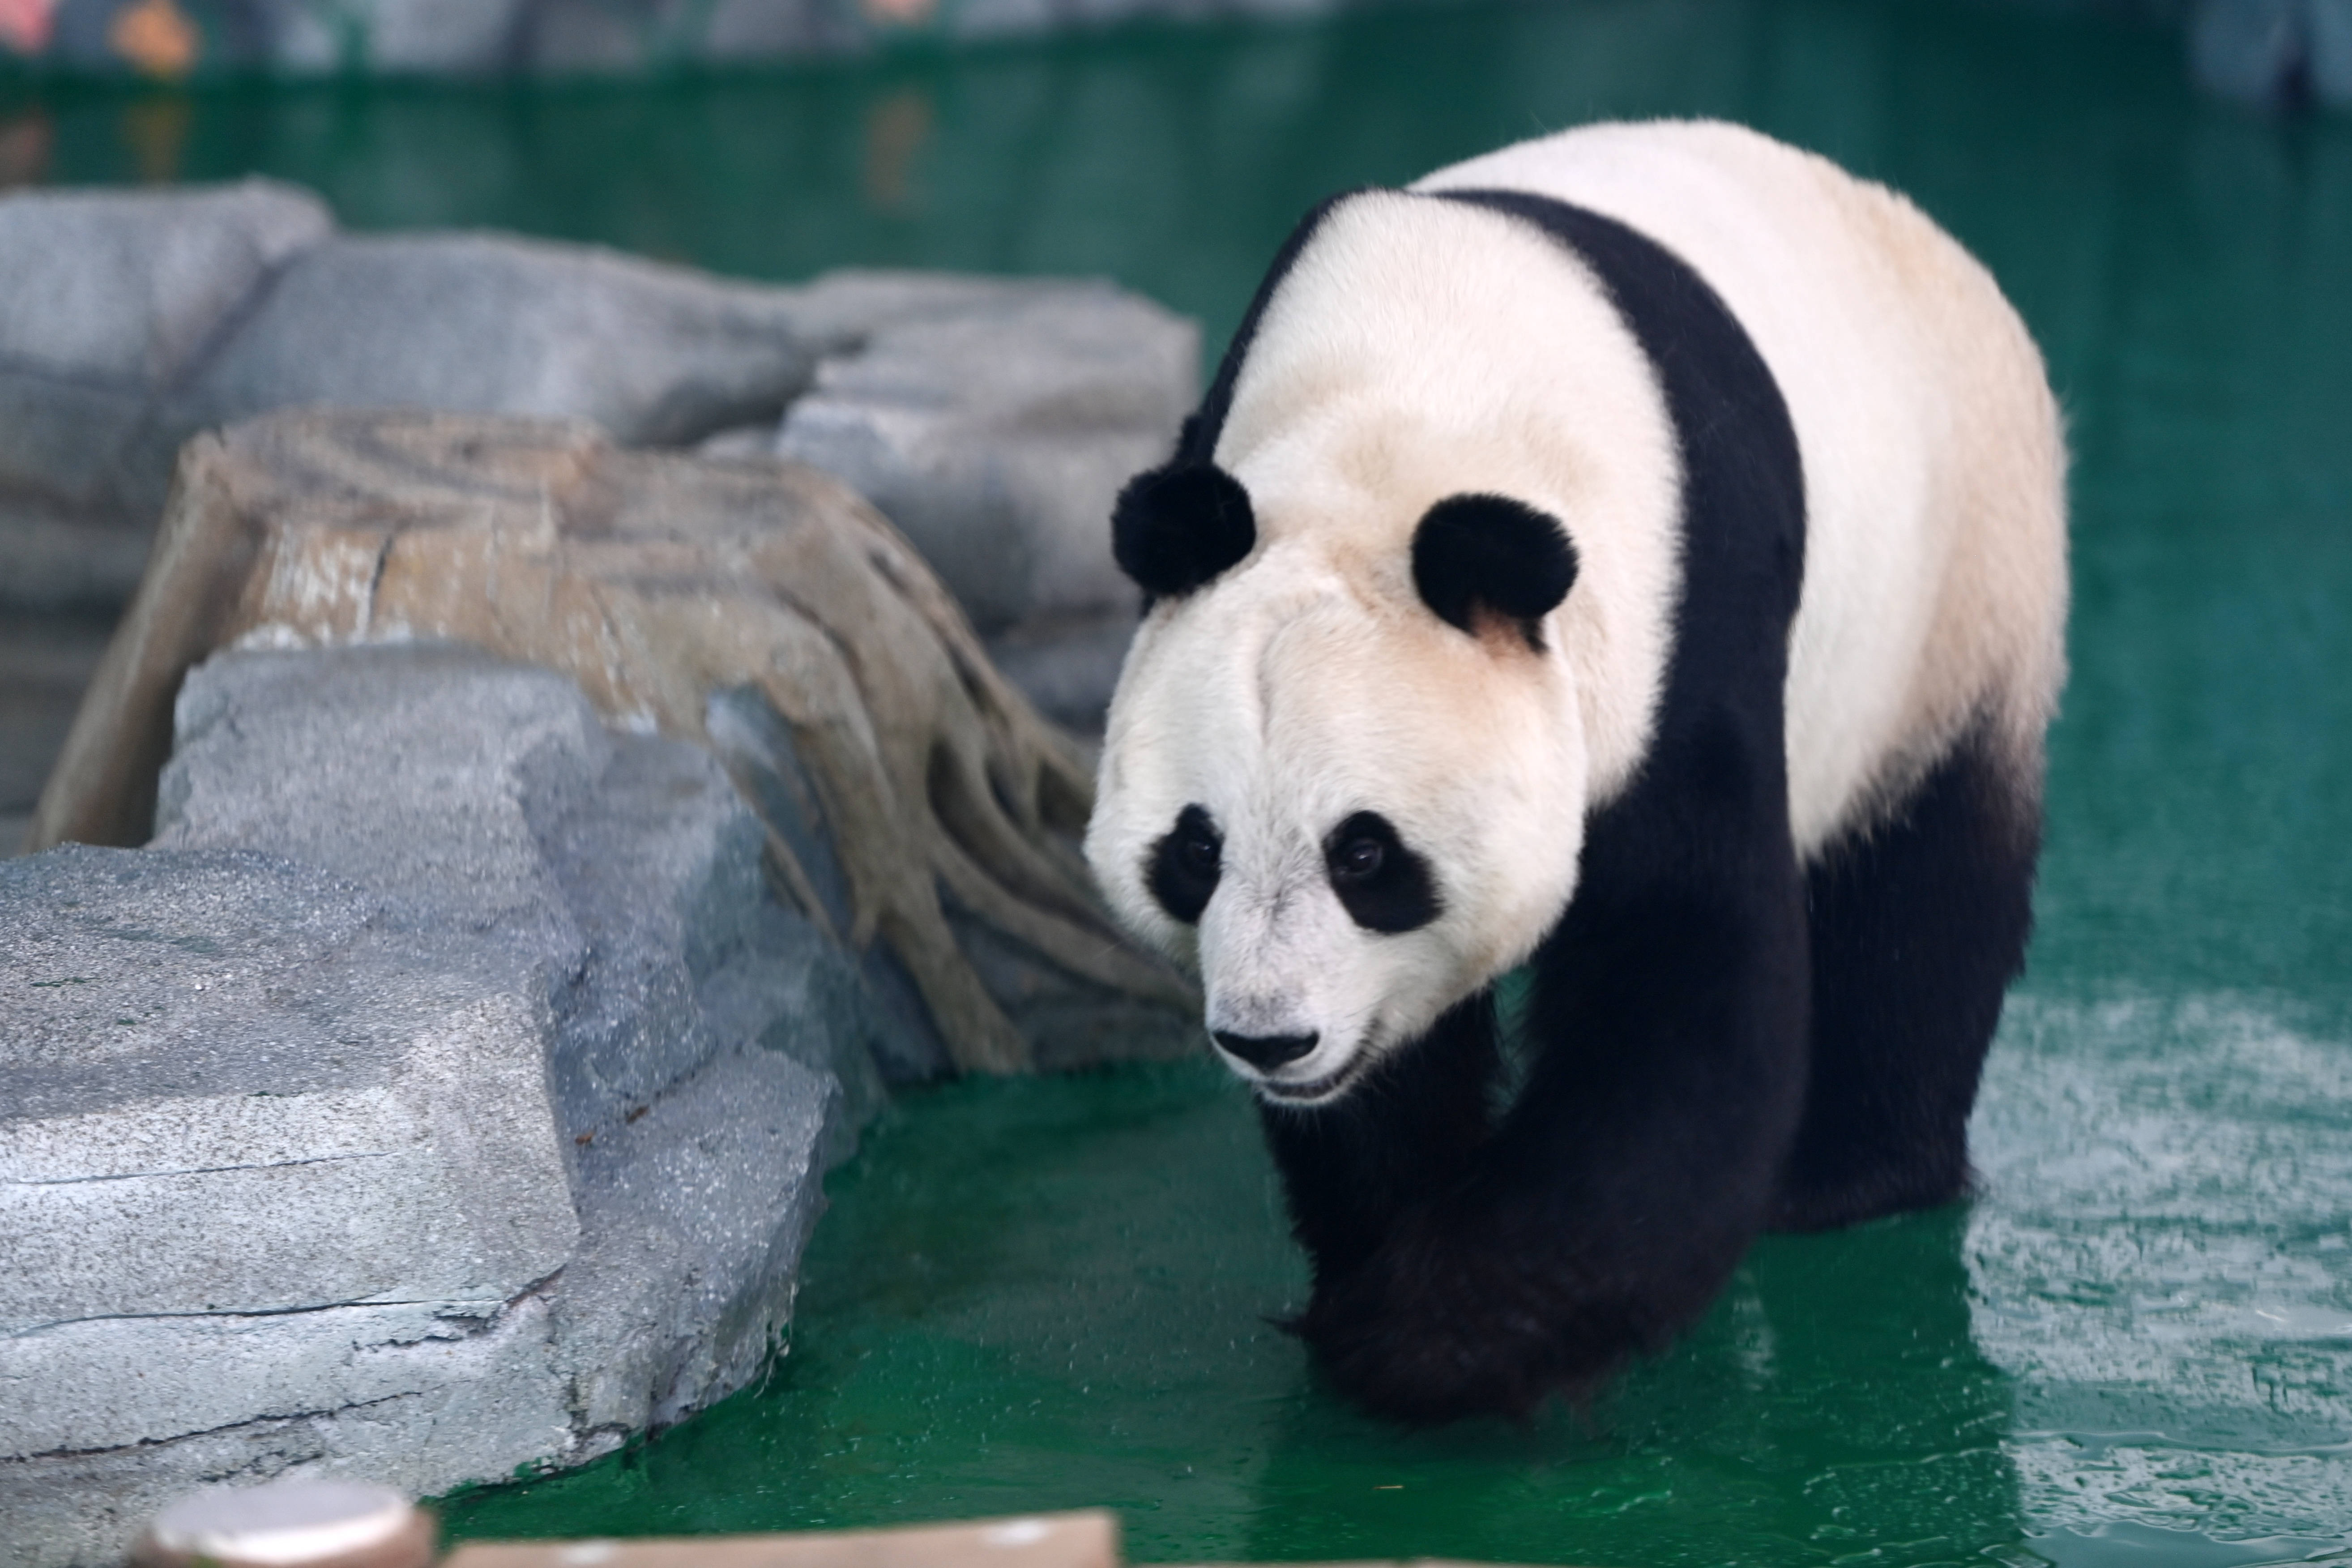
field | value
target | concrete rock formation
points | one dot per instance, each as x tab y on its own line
994	420
916	805
114	298
442	1093
994	423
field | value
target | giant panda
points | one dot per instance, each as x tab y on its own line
1639	555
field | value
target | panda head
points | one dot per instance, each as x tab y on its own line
1346	781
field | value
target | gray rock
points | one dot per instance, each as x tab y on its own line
413	771
1066	665
2331	51
229	1091
113	298
693	1220
44	663
58	557
2250	50
756	746
127	287
995	426
994	420
442	1093
463	37
487	323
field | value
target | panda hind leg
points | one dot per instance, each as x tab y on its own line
1917	927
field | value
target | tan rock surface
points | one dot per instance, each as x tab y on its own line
656	582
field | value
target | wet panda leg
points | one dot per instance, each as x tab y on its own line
1917	928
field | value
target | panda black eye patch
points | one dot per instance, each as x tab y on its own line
1184	864
1383	885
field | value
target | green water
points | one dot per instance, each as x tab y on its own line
2137	1348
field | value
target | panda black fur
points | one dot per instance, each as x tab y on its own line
1638	553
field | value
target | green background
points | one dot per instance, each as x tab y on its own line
2136	1348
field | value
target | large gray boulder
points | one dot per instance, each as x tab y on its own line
993	420
473	324
132	320
994	423
442	1093
113	298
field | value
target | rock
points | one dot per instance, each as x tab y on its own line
621	873
112	298
442	1093
44	663
56	557
187	1133
489	323
1067	665
2331	52
660	584
2245	49
994	420
127	288
259	1160
995	426
693	1218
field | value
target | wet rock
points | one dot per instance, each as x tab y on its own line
443	1091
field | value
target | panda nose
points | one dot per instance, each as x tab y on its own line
1266	1052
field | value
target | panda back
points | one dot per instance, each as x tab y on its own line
1934	580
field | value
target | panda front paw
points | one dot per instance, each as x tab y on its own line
1415	1336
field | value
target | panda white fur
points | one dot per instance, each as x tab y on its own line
1639	553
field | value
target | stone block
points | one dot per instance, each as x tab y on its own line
230	1092
693	1217
995	427
56	557
2250	50
2331	52
444	1092
657	356
128	286
454	37
1067	665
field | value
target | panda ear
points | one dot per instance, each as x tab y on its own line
1176	527
1491	553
